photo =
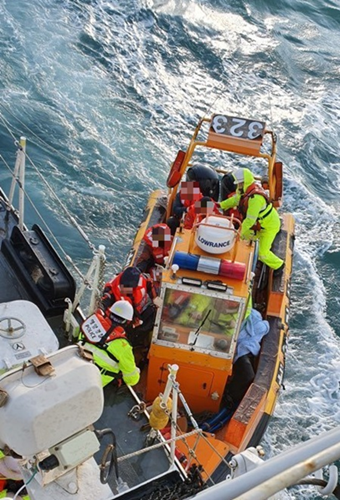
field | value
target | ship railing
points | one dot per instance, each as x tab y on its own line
172	390
292	466
19	179
93	280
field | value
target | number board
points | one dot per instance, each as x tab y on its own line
237	127
237	135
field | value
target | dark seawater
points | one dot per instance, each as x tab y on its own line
107	91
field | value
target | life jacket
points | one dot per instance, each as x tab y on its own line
251	191
233	212
99	329
160	252
140	297
191	215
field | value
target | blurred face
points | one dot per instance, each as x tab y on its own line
190	190
126	290
240	187
204	207
161	237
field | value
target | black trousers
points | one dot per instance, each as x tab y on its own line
140	336
242	376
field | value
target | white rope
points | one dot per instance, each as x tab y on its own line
71	218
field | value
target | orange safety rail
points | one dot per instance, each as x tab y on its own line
226	133
245	146
207	452
278	174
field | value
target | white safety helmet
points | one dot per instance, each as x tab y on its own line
122	310
239	175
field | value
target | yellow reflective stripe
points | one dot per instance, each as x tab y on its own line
101	354
131	373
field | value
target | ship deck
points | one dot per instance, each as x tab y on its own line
117	402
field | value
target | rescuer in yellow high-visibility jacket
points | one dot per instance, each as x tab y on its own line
105	337
260	219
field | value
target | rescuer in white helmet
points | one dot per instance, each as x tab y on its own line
104	335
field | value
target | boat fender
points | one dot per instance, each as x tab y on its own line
175	173
159	415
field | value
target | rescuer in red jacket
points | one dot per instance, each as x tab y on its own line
198	210
139	289
188	193
157	243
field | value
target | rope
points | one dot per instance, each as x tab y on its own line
199	434
68	214
48	229
4	121
159	445
71	218
271	111
177	388
198	431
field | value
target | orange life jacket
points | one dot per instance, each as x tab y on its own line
140	298
191	215
252	190
99	328
158	253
